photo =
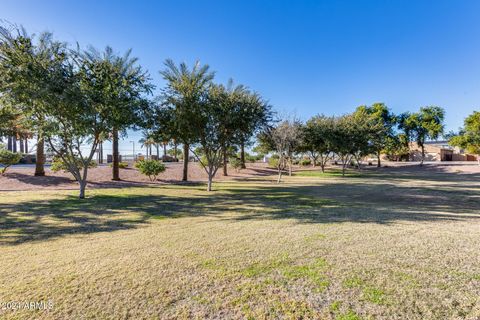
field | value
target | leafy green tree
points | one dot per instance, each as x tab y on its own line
254	114
317	139
8	117
175	153
121	87
342	142
213	122
381	123
59	165
469	136
395	148
230	103
26	64
427	125
406	123
185	94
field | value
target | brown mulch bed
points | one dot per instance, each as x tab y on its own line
22	178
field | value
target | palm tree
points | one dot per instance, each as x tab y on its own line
147	142
185	90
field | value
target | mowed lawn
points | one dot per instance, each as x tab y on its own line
367	246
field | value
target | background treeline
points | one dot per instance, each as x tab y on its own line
370	130
73	99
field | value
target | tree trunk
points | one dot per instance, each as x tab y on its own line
209	183
115	166
14	144
290	164
164	151
279	178
83	185
323	162
379	164
26	145
9	144
157	147
40	161
423	155
224	152
242	156
185	161
20	141
100	152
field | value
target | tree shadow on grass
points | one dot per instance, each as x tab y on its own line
381	202
39	181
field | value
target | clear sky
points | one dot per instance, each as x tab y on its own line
308	57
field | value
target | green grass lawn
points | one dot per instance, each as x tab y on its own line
403	247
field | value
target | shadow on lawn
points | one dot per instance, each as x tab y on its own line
380	201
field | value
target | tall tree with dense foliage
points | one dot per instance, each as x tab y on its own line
381	123
317	139
185	93
253	115
121	85
427	125
469	136
213	120
25	62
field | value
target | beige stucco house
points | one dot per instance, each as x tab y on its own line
439	151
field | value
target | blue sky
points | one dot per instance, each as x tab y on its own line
306	57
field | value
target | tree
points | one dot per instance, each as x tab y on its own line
253	115
25	62
184	93
160	121
231	102
284	140
213	122
121	87
407	123
147	141
317	139
427	125
381	124
469	137
395	148
342	142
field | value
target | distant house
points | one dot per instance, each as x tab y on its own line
439	151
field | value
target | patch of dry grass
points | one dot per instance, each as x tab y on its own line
379	247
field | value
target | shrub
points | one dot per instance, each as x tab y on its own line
273	162
150	168
121	165
235	163
8	158
305	162
253	158
58	164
